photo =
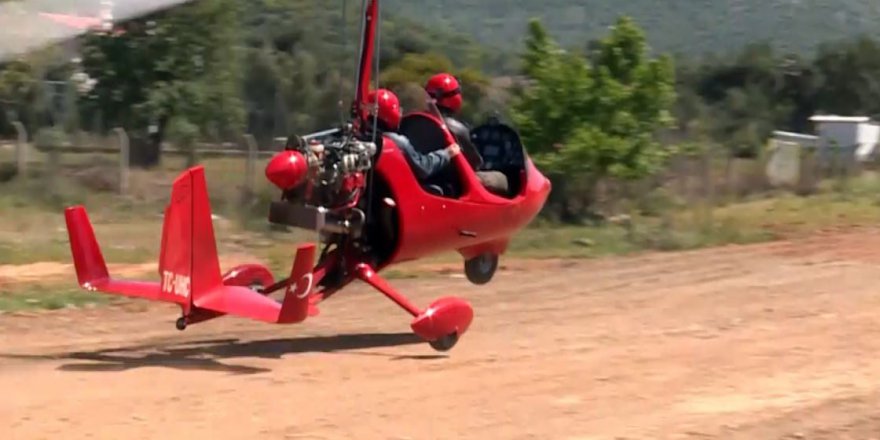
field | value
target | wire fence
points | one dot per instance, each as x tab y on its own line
708	178
24	158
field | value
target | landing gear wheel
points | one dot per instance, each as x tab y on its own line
181	323
481	269
445	343
257	286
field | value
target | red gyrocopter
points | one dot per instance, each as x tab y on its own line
366	204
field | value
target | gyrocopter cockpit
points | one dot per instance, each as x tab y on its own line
496	147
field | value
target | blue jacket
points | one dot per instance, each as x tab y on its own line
423	165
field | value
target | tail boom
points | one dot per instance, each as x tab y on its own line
244	302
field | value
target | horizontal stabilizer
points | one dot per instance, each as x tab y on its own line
241	302
246	303
91	270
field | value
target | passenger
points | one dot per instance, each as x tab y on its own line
446	91
388	116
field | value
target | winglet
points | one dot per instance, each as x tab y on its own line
295	306
87	257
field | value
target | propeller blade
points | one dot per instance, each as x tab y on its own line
25	26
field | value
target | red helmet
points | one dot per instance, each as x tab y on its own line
445	89
388	110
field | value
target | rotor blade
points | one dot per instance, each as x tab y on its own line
30	25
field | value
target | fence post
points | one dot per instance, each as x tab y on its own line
124	155
53	163
708	185
21	158
847	163
250	165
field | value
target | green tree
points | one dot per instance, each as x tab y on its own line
19	92
178	64
586	120
739	100
850	73
36	90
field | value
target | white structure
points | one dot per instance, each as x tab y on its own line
784	164
858	133
840	141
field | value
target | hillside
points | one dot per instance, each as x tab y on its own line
685	26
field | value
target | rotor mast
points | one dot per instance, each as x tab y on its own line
365	64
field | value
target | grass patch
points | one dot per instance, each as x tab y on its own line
768	218
50	298
132	234
35	235
32	225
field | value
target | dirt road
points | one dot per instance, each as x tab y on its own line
755	342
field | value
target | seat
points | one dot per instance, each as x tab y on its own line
423	131
495	182
434	189
503	152
426	135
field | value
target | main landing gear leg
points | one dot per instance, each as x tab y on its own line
441	324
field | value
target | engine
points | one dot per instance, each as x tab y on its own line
329	174
322	182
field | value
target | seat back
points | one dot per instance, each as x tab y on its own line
424	132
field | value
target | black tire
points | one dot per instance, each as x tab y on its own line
445	343
180	323
257	286
480	270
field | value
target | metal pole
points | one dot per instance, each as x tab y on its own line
250	165
124	154
21	158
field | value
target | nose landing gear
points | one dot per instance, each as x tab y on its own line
480	269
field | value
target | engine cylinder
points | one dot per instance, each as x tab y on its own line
287	170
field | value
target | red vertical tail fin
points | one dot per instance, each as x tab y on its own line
295	306
87	257
188	262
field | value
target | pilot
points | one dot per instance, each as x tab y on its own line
446	91
388	122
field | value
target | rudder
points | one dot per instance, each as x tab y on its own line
296	305
88	259
188	262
